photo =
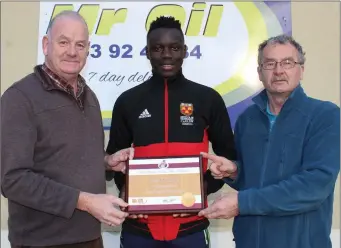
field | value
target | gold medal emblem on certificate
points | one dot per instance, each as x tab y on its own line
188	199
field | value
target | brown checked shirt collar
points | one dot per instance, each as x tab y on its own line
65	86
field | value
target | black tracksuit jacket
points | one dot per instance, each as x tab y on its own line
152	117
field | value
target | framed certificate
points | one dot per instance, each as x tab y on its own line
165	185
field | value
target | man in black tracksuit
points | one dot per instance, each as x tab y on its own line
169	115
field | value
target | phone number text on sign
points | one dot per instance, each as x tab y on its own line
126	51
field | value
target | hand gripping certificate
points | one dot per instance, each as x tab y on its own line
165	185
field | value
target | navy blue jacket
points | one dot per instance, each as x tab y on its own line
287	176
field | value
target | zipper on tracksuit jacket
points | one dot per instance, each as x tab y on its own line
166	139
166	112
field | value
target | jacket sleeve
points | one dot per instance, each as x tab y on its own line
20	182
239	161
304	191
220	134
120	137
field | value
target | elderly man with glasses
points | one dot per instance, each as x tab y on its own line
288	147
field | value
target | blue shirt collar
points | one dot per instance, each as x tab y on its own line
268	111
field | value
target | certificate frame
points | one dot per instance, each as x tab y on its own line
164	208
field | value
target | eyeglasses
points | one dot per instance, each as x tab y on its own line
285	64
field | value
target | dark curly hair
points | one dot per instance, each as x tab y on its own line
165	22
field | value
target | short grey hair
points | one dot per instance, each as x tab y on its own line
281	39
66	13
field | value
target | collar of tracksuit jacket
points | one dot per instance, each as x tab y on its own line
174	81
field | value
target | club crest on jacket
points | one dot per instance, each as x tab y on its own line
186	110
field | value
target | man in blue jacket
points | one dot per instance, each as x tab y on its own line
288	148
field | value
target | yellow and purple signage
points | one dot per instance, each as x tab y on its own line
222	40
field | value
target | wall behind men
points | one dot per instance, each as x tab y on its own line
316	25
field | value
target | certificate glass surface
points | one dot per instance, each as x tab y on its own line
165	185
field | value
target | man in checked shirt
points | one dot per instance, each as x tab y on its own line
53	160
